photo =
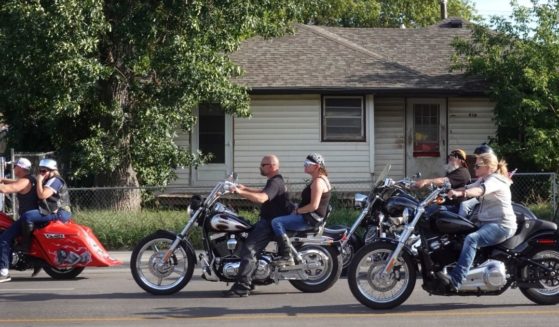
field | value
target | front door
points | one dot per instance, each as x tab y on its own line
213	134
426	137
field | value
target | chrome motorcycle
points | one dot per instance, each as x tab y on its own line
163	262
382	274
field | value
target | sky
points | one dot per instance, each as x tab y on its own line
487	8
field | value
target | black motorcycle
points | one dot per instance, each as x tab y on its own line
382	274
381	212
163	262
377	219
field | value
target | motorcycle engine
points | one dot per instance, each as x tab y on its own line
491	275
263	269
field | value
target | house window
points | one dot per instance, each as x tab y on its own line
211	132
343	119
426	124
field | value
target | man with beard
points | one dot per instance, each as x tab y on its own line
457	175
275	202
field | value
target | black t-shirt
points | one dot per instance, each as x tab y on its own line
458	178
278	203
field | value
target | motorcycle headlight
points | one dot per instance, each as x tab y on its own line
360	200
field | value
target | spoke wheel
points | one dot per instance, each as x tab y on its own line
373	288
549	294
155	274
323	266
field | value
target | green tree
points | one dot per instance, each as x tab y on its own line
518	59
383	13
108	83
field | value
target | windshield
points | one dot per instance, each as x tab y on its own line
383	174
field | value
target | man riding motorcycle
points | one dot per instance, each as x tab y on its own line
274	199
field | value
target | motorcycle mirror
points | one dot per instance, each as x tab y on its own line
417	175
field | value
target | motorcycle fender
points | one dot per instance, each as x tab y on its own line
188	245
546	238
71	245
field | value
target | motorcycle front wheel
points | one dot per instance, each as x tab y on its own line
375	290
323	266
549	294
155	275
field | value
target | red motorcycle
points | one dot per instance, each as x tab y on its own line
63	250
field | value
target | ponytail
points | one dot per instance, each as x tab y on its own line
502	168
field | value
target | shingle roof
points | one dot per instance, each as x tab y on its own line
366	59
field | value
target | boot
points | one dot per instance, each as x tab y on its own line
287	258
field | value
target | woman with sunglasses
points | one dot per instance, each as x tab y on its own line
496	217
52	191
313	206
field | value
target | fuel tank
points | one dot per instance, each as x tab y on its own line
229	222
447	222
396	205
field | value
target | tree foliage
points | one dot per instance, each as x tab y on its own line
383	13
518	58
108	83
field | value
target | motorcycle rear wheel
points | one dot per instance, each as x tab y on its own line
61	273
372	289
548	295
154	275
324	267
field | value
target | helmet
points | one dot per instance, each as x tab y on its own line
483	148
48	163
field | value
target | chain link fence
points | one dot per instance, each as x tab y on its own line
532	189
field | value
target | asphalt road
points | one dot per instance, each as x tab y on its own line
110	297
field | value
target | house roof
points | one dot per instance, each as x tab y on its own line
335	59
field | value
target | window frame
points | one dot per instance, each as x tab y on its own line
324	137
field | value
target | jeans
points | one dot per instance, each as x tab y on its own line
466	207
36	217
292	222
486	235
7	238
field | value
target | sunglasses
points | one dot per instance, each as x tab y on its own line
477	166
43	171
309	163
265	164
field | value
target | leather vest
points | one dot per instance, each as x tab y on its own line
58	200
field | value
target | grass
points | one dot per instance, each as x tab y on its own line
123	230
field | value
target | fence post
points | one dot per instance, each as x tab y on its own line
554	194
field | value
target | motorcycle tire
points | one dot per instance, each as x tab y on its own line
548	295
155	276
63	273
327	267
373	290
351	247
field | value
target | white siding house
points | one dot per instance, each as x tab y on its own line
362	97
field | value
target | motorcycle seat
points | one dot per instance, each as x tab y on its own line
527	228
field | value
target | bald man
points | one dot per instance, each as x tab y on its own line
274	201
